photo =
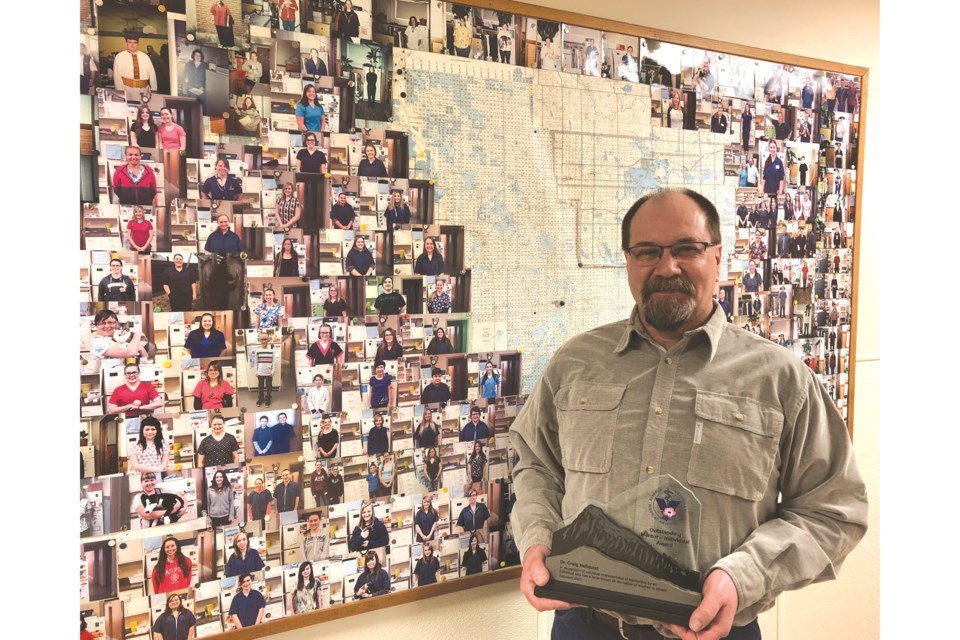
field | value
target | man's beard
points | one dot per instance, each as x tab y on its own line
668	313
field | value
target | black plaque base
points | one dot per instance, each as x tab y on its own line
659	610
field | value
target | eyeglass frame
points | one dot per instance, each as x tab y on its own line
662	247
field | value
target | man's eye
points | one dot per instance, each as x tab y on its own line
646	254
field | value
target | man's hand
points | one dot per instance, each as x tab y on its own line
714	617
535	574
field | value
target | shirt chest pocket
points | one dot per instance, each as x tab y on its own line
587	419
735	444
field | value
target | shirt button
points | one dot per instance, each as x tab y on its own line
583	401
650	469
739	416
658	410
669	360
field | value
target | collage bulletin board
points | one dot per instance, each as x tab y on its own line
326	248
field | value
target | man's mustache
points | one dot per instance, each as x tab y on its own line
673	283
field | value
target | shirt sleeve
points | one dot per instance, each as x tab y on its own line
823	508
538	476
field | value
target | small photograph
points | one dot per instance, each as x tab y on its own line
435	390
327	435
848	95
471	515
772	79
549	52
660	63
443	340
360	257
210	386
370	66
726	299
581	50
620	60
680	110
259	499
89	64
224	495
219	23
104	505
474	559
287	491
98	571
427	431
781	301
779	124
140	33
841	127
773	175
752	280
242	553
374	159
383	299
375	427
353	20
273	432
249	115
735	76
203	73
501	45
697	69
314	55
758	245
804	89
158	500
406	23
368	525
113	276
217	443
720	119
134	181
462	39
396	212
490	379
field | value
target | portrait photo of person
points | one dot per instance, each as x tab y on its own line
173	569
370	532
244	558
304	597
221	506
176	622
117	286
373	580
219	448
213	391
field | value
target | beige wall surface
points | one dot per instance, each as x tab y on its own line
848	608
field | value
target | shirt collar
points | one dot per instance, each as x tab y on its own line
712	329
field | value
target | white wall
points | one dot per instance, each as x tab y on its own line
848	608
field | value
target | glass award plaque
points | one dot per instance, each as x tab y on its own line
636	555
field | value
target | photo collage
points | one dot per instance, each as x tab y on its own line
285	402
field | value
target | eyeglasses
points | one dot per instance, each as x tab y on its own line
650	254
131	373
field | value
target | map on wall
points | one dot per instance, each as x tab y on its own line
539	167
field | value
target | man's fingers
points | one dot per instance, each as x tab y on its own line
683	632
704	614
539	573
535	574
